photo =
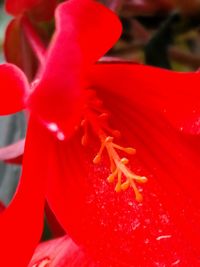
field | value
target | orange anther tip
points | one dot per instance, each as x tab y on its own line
125	185
142	179
124	161
111	178
130	150
97	159
139	197
109	139
118	188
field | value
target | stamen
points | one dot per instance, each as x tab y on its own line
128	150
97	158
118	166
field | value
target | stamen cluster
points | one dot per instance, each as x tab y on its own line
97	117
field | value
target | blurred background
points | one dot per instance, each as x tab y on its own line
163	33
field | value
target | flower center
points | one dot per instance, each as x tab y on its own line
97	117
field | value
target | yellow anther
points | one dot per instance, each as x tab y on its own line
112	176
142	179
130	150
118	188
139	179
97	159
138	197
109	139
124	161
125	185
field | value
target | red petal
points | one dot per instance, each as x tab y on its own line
18	7
61	252
90	35
13	153
39	9
175	94
22	222
14	89
21	53
164	228
82	36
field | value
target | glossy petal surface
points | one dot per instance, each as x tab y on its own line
14	89
161	231
80	26
21	222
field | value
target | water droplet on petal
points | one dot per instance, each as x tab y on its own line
52	127
60	135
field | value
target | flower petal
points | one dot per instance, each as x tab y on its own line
13	153
14	89
175	94
18	7
61	252
82	36
164	228
22	221
41	10
89	33
20	54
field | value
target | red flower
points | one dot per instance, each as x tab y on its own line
153	109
